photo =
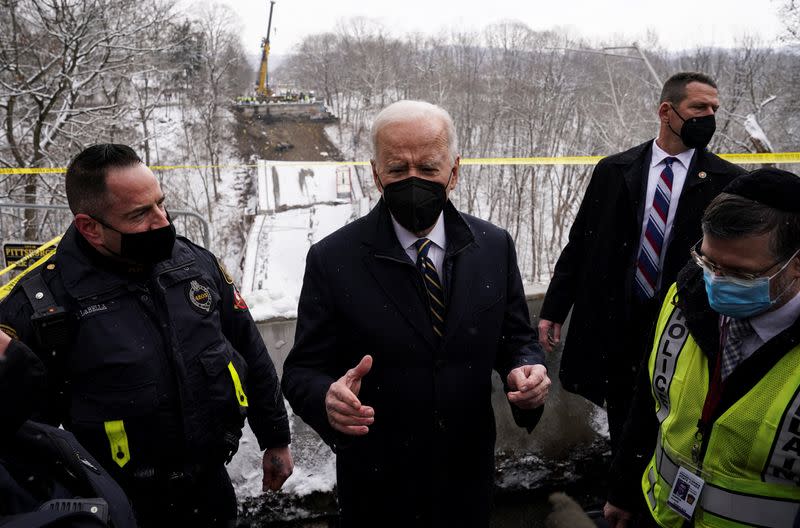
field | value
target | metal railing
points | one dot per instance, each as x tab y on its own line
206	229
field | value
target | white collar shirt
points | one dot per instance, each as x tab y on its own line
679	171
769	324
438	240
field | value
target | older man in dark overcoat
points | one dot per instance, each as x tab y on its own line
403	316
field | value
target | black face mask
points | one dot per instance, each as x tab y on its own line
696	131
415	203
147	247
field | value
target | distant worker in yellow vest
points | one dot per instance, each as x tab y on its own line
713	437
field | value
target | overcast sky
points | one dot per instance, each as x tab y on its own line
684	24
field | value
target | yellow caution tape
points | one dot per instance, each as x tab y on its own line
775	158
40	251
61	170
37	170
563	160
771	158
176	167
744	158
317	163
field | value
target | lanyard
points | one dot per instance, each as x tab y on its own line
714	394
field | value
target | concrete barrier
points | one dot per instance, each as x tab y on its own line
305	110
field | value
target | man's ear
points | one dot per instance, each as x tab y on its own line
90	228
663	112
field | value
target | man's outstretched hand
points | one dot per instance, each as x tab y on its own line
345	412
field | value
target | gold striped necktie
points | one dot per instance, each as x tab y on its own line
432	285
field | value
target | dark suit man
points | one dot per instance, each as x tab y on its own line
402	318
638	219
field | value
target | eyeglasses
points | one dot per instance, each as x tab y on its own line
712	267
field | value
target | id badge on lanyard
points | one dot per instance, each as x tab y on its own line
685	493
689	482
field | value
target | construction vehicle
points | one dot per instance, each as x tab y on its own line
267	103
262	84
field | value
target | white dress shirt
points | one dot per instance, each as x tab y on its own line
769	324
679	171
438	243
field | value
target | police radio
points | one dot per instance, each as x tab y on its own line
50	322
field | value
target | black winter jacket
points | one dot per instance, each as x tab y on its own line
159	350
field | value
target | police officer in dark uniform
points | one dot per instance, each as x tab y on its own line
151	353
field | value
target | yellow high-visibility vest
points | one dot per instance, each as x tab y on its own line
751	466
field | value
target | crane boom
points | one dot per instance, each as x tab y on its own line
262	88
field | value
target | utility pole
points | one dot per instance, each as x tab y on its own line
606	53
642	57
636	47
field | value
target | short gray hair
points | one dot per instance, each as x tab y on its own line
406	110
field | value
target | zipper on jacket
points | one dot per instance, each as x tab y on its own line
160	317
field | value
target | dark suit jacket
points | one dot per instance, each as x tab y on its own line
428	458
596	268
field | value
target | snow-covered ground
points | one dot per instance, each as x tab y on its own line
298	205
272	285
315	463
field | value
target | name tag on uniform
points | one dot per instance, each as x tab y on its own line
685	493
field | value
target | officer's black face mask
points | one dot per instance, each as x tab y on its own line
696	132
146	247
415	202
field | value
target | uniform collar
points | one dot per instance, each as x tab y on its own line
85	276
658	157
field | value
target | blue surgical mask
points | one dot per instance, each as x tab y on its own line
737	298
740	298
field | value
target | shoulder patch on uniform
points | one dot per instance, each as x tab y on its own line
10	332
238	301
199	297
224	271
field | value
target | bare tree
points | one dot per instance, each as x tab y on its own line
221	65
55	56
790	15
516	92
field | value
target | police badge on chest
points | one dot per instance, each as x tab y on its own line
200	297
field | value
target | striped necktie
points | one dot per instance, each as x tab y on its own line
738	330
432	285
649	262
